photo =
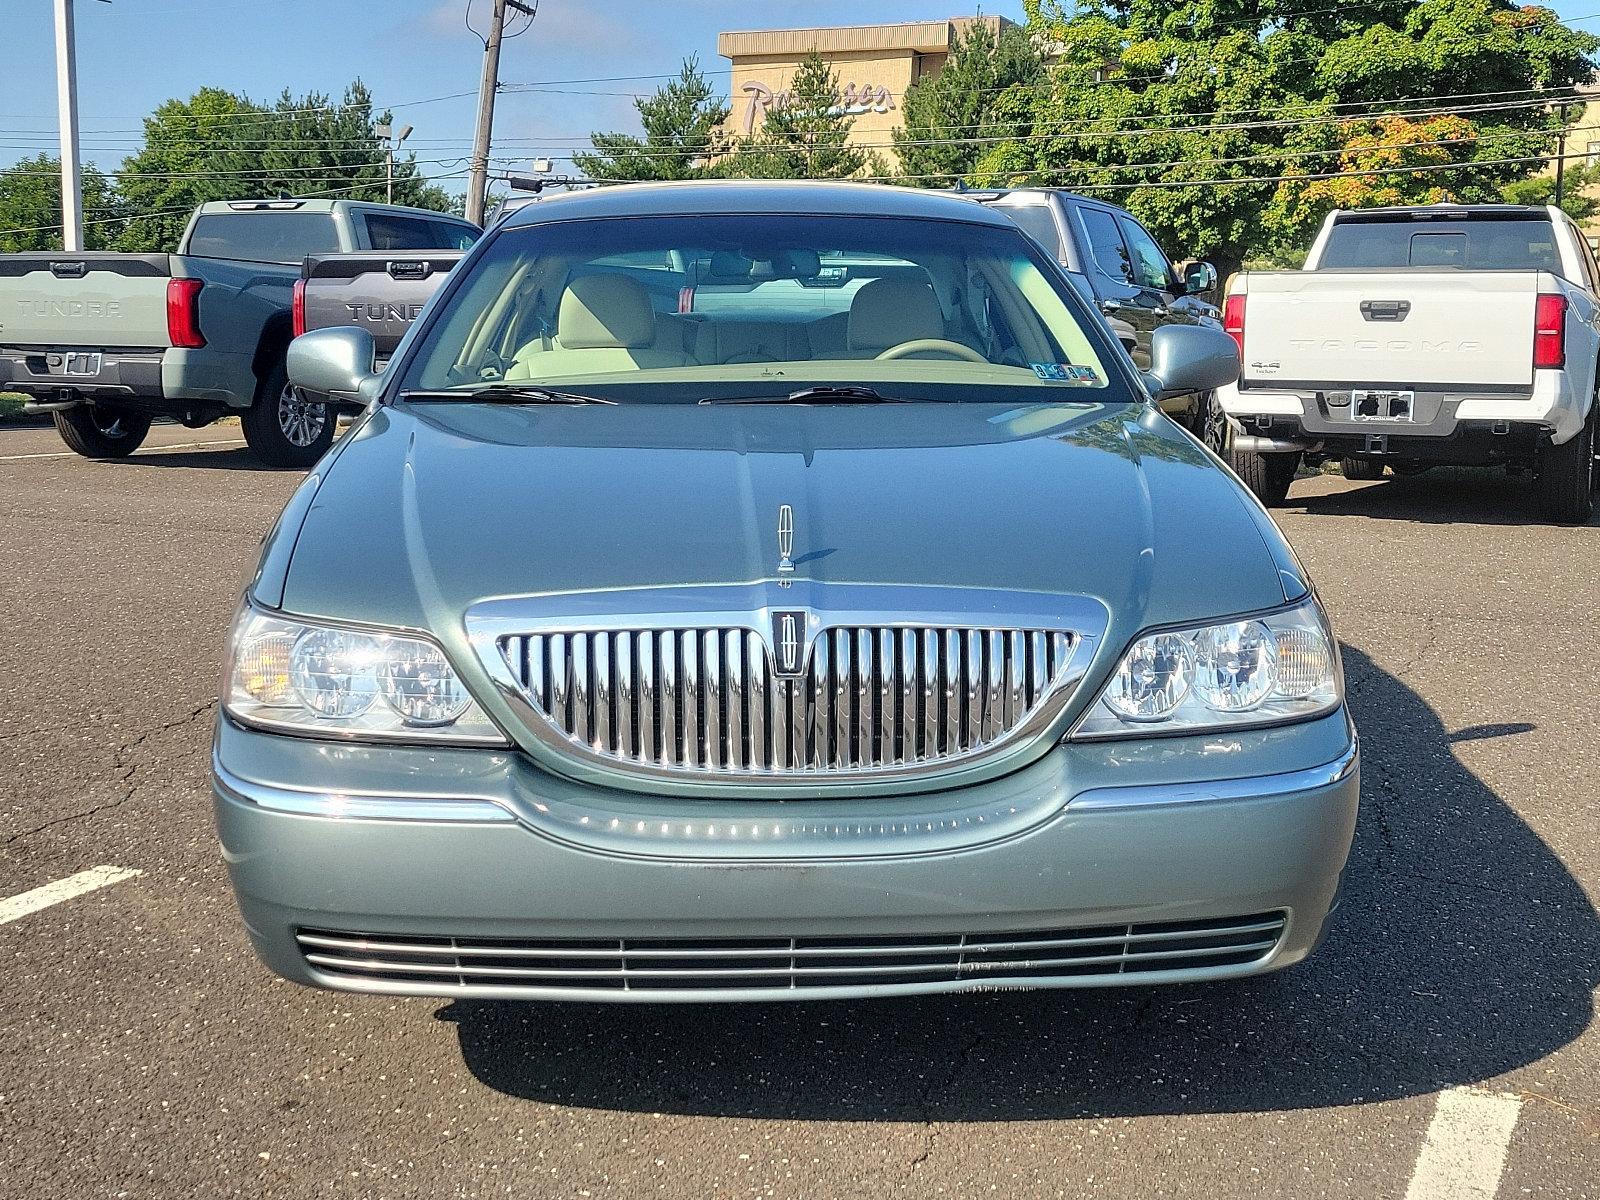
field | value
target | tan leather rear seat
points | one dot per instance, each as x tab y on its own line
750	342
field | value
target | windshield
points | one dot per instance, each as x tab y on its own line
681	309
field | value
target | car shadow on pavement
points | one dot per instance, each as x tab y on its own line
234	459
1442	496
1462	949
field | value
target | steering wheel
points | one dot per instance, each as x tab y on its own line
937	345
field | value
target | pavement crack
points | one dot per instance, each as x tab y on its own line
959	1062
126	771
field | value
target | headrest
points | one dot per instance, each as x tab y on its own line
605	312
886	312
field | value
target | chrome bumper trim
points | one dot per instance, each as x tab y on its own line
1255	787
355	806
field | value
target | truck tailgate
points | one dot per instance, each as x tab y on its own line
1391	327
379	291
96	301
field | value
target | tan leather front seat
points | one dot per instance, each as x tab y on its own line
889	311
604	324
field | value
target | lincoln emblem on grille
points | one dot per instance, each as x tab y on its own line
788	642
785	540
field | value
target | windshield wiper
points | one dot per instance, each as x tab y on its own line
823	394
500	393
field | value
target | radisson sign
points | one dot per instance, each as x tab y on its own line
854	99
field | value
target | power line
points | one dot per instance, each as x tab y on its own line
648	152
1454	165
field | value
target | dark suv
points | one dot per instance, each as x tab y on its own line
1122	270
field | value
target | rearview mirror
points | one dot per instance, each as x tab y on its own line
333	362
1199	277
1185	359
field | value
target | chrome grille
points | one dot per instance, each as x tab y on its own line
1084	955
871	698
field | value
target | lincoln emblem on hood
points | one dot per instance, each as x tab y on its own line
785	540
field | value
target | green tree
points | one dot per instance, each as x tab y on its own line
1188	111
1580	183
217	145
805	137
984	93
683	134
30	206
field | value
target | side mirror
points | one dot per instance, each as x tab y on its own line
336	363
1185	359
1199	277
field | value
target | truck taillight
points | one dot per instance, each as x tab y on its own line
183	313
297	307
1550	330
1233	320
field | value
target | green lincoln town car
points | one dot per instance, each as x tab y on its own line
753	591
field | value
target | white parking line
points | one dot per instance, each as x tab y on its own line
142	450
21	905
1465	1149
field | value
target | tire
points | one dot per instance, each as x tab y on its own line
1267	475
96	432
1212	427
1410	467
1361	468
282	428
1564	476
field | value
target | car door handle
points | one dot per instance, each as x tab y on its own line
1110	306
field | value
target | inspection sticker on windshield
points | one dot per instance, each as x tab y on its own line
1065	373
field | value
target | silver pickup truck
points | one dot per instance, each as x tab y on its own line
106	342
381	293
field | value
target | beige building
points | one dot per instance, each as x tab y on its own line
875	64
1583	138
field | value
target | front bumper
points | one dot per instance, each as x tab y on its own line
473	873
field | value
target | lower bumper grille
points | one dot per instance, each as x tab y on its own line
665	965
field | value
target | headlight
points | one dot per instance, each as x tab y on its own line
1262	671
329	681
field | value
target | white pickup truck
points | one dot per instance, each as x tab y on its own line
1415	337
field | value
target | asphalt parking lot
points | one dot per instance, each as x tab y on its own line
1442	1043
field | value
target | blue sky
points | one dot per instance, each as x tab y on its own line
133	54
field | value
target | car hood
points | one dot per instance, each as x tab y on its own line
430	507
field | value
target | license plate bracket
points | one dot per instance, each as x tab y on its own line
1383	404
82	364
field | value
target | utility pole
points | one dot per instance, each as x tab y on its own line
1561	153
67	110
478	172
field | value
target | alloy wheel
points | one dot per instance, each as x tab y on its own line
302	420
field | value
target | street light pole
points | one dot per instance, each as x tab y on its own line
391	141
67	110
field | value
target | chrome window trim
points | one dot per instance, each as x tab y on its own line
829	607
1253	787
